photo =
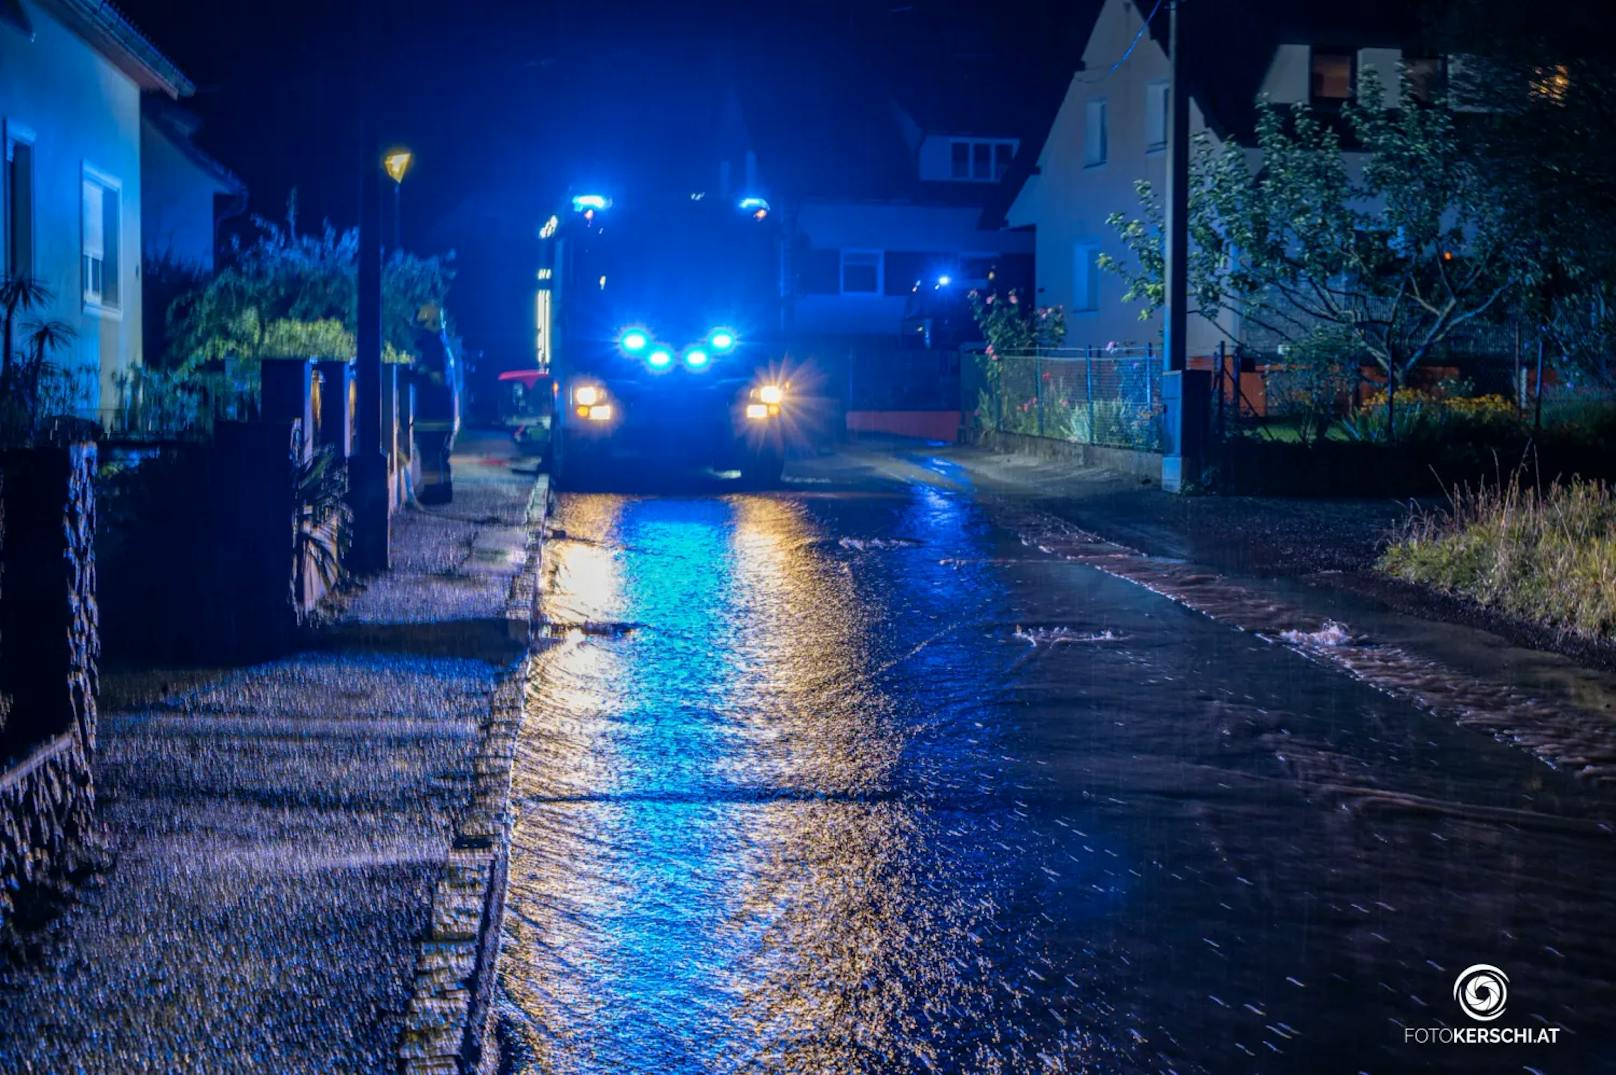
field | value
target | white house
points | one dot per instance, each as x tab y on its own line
187	192
1110	131
71	77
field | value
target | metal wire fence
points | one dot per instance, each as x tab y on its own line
1099	397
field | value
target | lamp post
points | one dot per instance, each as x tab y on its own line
369	472
397	162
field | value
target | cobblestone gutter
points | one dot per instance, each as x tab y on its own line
448	1018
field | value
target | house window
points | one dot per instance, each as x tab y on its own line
1003	153
100	261
1085	277
1426	76
904	272
19	205
979	160
861	272
1333	74
1156	114
1094	139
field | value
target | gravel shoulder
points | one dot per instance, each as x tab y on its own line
1333	541
276	831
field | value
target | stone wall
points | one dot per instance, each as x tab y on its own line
49	649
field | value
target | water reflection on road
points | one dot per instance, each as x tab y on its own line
849	778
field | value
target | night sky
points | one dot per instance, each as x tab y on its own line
507	104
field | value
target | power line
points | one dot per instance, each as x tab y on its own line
1131	46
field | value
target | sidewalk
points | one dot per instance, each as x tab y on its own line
278	831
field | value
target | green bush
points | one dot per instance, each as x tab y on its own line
1544	555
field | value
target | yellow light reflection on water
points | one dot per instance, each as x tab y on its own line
717	864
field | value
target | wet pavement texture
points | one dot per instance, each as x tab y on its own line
893	770
276	830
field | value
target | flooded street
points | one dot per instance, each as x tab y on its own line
881	772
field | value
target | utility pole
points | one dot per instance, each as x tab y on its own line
368	471
1184	392
1178	195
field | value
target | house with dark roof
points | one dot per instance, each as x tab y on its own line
75	192
882	196
1110	130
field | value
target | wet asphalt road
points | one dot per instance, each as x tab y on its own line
856	776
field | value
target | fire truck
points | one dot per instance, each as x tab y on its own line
659	322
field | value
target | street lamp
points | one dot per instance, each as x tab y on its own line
397	162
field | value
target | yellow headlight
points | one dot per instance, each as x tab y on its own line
601	412
588	395
756	410
772	393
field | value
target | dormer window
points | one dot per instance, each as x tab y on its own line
980	160
1334	76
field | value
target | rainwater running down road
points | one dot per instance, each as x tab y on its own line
879	773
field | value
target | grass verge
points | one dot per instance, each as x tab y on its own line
1546	555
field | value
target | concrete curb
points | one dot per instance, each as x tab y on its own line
447	1022
1134	463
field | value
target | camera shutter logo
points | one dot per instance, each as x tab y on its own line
1481	991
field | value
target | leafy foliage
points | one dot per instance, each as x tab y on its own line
323	517
1540	98
1318	374
296	293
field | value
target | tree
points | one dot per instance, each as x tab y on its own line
292	292
1540	97
1379	234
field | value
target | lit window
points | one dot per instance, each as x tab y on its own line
1094	134
19	207
1156	114
1333	75
1551	84
861	272
99	261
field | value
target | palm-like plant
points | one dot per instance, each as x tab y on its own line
22	370
19	295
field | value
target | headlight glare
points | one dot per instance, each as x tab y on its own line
772	394
587	395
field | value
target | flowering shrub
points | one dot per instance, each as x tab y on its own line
1010	325
1434	414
